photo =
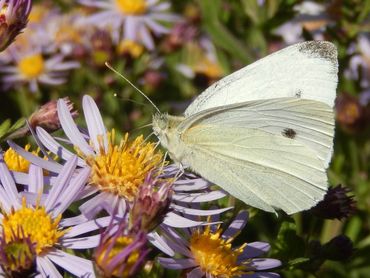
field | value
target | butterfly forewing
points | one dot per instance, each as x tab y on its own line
306	70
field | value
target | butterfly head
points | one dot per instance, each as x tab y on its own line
165	127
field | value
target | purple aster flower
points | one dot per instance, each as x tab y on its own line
119	169
310	16
13	18
152	203
121	251
137	18
208	252
18	255
359	64
32	67
201	63
30	212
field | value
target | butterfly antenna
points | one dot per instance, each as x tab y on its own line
129	100
164	161
129	82
143	126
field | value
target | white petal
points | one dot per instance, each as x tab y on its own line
52	145
176	263
177	221
73	264
199	197
72	221
81	242
70	128
8	183
160	243
61	183
89	226
200	212
94	123
36	179
47	268
47	165
69	195
237	225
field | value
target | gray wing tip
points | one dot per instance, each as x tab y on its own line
320	49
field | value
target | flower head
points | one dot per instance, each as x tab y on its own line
336	204
39	219
47	116
17	255
32	67
13	18
209	252
351	114
137	19
151	203
120	253
120	169
15	162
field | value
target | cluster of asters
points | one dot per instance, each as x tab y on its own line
97	192
93	32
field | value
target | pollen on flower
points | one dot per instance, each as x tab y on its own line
34	223
31	66
215	255
37	14
130	47
132	7
124	166
15	162
209	69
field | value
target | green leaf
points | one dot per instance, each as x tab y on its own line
289	246
4	127
218	32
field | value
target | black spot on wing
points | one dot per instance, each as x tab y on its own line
289	132
298	93
320	49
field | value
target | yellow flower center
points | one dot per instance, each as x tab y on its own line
20	256
34	223
4	10
132	7
124	167
215	255
15	162
209	69
66	33
119	244
31	66
130	47
37	13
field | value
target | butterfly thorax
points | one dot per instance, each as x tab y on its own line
166	128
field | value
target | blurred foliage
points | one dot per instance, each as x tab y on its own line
242	31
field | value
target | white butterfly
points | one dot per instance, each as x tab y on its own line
264	133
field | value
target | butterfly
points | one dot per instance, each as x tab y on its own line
265	132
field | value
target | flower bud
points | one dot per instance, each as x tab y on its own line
339	248
121	252
180	34
350	114
151	204
13	18
47	115
336	204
